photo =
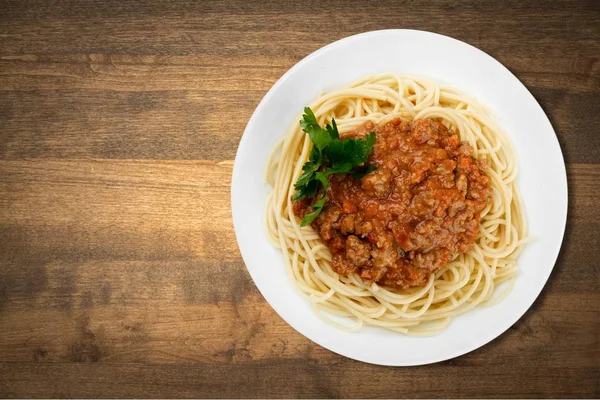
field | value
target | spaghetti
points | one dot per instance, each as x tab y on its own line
468	280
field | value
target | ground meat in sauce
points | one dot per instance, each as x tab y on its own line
417	211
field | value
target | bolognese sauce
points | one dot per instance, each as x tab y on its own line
418	210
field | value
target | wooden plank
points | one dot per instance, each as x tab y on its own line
584	192
238	72
232	27
168	321
169	328
92	209
188	192
190	124
288	378
107	124
144	73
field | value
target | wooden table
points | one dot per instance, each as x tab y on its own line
119	270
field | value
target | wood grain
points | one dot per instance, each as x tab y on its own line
119	270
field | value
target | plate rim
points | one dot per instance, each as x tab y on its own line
555	142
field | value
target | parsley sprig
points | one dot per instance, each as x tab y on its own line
329	155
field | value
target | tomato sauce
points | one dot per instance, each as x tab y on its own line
416	212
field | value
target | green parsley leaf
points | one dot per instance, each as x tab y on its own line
355	151
318	206
305	185
320	137
329	155
341	168
309	168
308	190
308	119
333	130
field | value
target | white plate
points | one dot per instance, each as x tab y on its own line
542	180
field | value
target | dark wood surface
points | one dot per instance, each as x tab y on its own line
119	271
